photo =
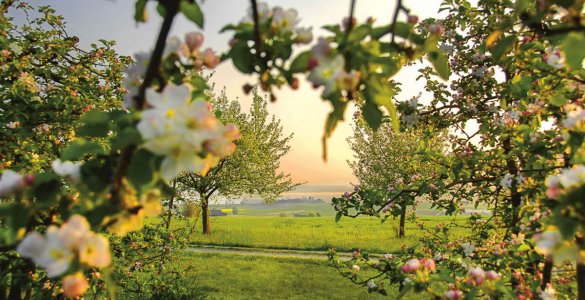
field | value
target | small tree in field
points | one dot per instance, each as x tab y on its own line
253	168
388	160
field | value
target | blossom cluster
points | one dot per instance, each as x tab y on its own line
566	181
60	248
283	20
184	131
190	50
327	70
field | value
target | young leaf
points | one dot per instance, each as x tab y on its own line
440	63
192	11
573	46
140	14
301	62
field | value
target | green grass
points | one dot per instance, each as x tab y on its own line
316	233
252	277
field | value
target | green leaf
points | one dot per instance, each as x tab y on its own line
358	33
503	47
141	169
94	124
558	99
140	14
192	11
338	217
242	58
301	62
96	175
162	11
78	149
440	62
573	46
379	91
46	188
126	137
373	115
523	247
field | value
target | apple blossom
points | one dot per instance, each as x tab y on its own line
454	294
13	124
549	293
507	181
371	284
327	72
574	118
178	129
553	57
264	13
303	35
547	241
468	248
492	275
59	247
210	59
67	169
75	285
411	266
285	20
193	41
94	251
476	276
10	182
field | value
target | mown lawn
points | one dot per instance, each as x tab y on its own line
222	276
314	233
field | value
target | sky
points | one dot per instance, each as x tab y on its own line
302	111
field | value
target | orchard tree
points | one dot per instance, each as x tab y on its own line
46	83
387	160
514	111
253	169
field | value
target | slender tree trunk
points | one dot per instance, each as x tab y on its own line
167	226
402	221
581	281
205	214
16	291
580	273
546	271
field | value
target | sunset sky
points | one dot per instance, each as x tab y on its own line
302	112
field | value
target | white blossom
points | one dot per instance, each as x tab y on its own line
67	169
468	248
10	182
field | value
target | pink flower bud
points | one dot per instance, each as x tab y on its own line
210	59
194	40
437	29
313	62
453	294
492	275
74	285
411	266
429	264
412	19
29	180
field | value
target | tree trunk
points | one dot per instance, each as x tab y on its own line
205	214
546	271
581	281
402	221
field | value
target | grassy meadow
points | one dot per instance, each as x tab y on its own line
275	226
313	233
221	276
239	276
